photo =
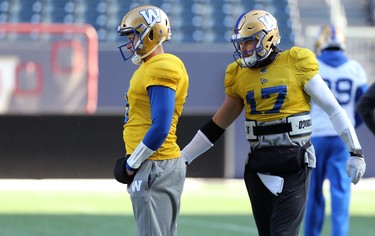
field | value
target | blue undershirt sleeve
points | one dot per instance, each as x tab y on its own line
162	109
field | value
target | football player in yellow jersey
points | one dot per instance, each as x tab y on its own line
153	169
275	88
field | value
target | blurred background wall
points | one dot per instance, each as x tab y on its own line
62	79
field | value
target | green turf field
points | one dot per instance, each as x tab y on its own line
102	207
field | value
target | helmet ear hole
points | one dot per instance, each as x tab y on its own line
151	35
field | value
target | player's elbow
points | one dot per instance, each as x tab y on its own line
163	133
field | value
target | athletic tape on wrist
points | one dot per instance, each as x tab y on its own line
140	154
345	130
198	145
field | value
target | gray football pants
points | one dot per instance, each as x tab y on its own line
155	194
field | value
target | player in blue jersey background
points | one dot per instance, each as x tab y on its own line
347	80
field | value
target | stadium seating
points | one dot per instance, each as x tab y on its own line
193	21
4	11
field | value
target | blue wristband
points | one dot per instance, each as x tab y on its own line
129	168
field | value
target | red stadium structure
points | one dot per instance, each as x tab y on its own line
57	71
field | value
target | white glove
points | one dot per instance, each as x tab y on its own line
355	168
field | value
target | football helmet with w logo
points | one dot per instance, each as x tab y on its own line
329	37
146	28
258	27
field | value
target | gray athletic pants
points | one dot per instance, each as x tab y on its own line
155	194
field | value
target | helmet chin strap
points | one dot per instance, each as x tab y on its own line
137	59
254	59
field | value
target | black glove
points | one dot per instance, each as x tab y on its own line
120	171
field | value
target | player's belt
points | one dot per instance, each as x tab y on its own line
296	125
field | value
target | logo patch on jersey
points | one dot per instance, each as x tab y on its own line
263	80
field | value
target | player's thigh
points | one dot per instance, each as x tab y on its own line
289	207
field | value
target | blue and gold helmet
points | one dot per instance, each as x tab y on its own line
149	26
259	26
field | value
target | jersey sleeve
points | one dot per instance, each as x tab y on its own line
306	64
166	73
230	80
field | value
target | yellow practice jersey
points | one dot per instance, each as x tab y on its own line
277	90
161	70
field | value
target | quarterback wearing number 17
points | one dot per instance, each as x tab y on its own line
275	88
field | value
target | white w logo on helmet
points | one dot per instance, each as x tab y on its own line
269	22
151	15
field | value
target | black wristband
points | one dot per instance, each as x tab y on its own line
357	154
212	131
